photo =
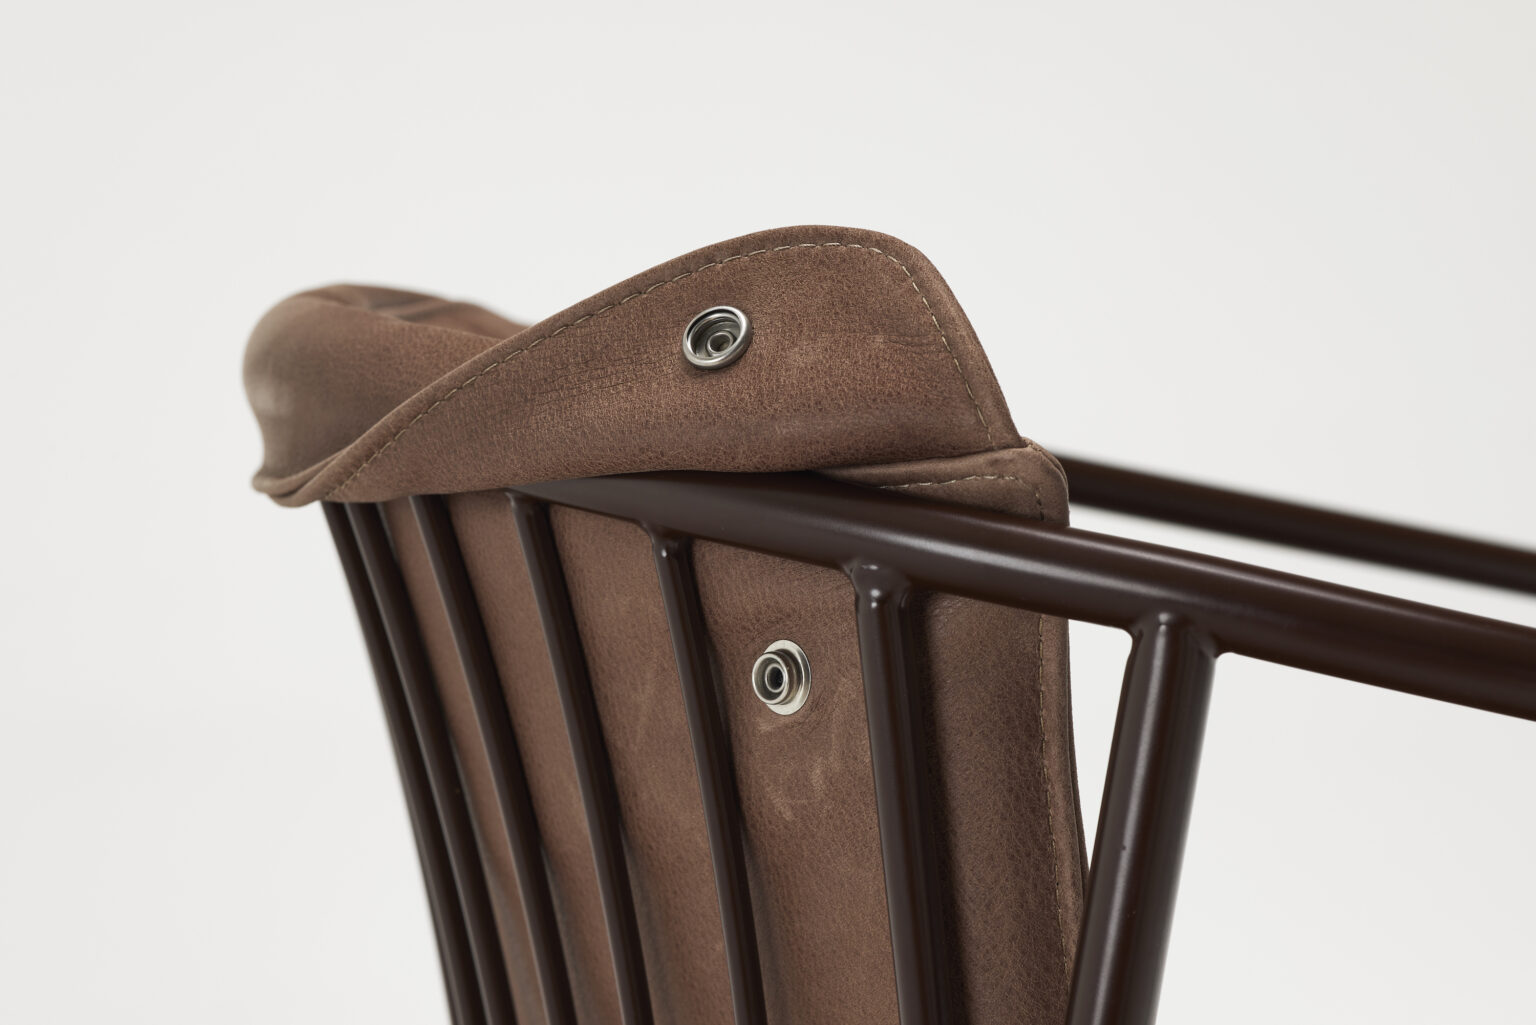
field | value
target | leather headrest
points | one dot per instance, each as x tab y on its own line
859	354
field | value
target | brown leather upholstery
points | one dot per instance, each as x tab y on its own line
862	365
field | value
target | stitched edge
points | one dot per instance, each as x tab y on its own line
647	291
1045	779
957	480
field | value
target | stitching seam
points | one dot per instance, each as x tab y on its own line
957	480
647	291
1045	779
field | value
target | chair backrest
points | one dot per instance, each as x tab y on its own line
655	778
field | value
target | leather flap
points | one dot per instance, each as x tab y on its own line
859	355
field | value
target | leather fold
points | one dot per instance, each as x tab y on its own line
859	355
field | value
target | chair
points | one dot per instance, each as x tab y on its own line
720	626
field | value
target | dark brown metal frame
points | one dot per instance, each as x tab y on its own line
1182	610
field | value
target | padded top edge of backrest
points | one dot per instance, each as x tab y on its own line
859	355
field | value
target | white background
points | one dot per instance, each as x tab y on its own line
1286	246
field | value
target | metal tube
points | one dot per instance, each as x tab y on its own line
912	884
593	773
506	763
1148	793
442	895
1277	617
1289	523
426	713
717	784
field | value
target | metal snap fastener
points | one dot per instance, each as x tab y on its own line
781	677
717	337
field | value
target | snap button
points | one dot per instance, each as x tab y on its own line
717	337
781	677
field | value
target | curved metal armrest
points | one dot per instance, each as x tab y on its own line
1278	617
1300	526
1182	610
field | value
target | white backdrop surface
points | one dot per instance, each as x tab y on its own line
1288	247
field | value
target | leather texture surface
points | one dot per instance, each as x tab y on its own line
860	354
863	367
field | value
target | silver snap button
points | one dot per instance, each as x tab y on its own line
781	677
717	337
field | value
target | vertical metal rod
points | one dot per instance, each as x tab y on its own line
505	759
717	782
593	773
442	896
442	771
912	889
1148	793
